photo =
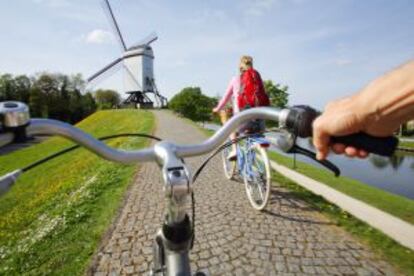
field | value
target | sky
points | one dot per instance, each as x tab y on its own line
322	50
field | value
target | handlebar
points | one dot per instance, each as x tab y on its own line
53	127
297	119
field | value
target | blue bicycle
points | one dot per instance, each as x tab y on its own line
252	164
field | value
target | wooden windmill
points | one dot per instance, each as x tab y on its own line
138	66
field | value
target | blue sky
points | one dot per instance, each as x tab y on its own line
321	49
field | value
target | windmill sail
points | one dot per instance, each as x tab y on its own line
146	41
115	28
104	70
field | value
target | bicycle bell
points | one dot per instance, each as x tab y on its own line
13	114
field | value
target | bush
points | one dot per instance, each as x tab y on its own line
107	99
191	103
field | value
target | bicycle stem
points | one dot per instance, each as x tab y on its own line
176	181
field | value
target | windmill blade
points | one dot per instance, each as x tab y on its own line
147	40
134	79
104	72
115	28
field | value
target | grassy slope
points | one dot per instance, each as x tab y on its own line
394	204
53	219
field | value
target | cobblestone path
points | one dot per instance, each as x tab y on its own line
231	238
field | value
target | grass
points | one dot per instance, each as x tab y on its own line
406	144
401	257
393	204
53	218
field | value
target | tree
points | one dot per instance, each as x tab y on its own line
88	104
106	99
47	86
55	96
37	105
7	89
193	104
277	93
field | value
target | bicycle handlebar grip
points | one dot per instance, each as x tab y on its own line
384	146
300	120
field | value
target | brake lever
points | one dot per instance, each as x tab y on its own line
326	163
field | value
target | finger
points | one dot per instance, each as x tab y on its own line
321	143
351	151
338	148
362	154
320	140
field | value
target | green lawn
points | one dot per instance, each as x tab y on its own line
55	215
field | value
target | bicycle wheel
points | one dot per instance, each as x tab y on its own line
228	166
257	177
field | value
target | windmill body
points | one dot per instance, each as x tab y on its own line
138	64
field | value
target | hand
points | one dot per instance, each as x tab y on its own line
215	110
379	109
348	116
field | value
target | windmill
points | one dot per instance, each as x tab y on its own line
138	65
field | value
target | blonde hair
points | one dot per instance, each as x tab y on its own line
246	62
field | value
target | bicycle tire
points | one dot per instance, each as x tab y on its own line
257	182
229	167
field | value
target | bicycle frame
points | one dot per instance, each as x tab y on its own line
243	158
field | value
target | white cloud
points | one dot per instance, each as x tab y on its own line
99	36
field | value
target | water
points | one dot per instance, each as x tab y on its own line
395	175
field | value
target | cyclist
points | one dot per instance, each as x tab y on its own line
239	97
378	109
